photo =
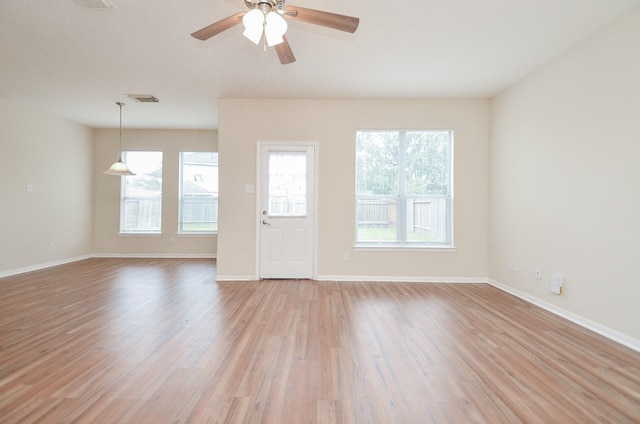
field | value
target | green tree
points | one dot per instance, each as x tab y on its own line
377	163
150	181
427	159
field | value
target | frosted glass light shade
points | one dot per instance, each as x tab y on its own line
275	27
118	168
253	22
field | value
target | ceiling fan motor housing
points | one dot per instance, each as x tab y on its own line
265	5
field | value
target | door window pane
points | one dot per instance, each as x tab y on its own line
287	194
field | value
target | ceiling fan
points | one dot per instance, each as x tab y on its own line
266	17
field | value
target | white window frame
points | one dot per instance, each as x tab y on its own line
401	198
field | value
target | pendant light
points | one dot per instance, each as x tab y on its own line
119	168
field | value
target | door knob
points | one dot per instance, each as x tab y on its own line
264	222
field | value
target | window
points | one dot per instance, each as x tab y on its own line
403	188
141	202
198	192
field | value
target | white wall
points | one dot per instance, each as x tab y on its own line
107	240
565	180
54	157
333	124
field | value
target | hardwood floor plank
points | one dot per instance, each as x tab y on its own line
160	341
335	412
108	410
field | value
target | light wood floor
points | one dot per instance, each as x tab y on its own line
160	341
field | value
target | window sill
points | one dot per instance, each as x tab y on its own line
402	248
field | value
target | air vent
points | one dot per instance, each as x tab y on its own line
143	98
95	4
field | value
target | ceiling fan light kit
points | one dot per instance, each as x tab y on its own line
267	16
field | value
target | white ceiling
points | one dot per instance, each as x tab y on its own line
76	63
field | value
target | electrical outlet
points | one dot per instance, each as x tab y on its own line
538	273
512	265
346	256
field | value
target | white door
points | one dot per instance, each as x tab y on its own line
287	211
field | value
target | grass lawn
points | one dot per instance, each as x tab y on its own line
387	234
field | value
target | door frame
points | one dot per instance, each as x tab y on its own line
258	198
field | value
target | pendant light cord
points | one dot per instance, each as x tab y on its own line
120	104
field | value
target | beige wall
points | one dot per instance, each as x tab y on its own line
333	124
106	217
565	180
54	156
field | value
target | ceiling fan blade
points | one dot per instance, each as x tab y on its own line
325	19
287	12
216	28
285	54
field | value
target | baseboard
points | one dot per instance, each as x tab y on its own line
389	279
607	332
369	278
39	267
236	277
